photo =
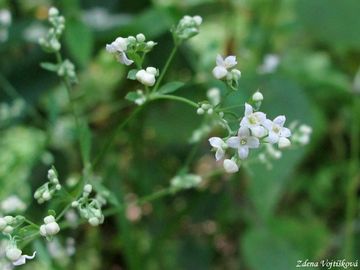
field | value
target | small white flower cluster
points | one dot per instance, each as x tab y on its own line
130	46
50	227
224	70
51	42
7	224
67	69
90	208
205	108
185	181
147	76
9	112
12	204
254	129
301	134
46	191
187	27
5	21
14	254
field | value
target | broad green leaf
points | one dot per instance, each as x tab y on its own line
170	87
79	40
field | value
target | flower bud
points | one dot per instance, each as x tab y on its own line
52	228
94	221
200	111
219	72
13	253
46	195
49	219
150	44
53	12
88	188
257	96
8	229
9	219
284	142
75	204
3	223
230	166
140	37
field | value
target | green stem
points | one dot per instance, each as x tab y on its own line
68	88
110	141
177	98
351	204
167	64
31	223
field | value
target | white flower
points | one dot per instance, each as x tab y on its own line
223	65
119	47
253	121
220	147
14	255
243	141
230	166
12	204
5	17
270	64
213	94
147	77
50	227
276	130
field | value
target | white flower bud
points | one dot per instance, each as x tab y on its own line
88	188
230	166
151	70
94	221
210	111
140	37
53	11
51	174
131	39
145	78
49	219
8	229
9	219
46	195
75	204
200	111
52	228
58	187
236	73
284	142
305	129
257	96
13	253
42	230
197	19
3	223
150	44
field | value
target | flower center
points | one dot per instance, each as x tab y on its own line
276	128
253	119
243	141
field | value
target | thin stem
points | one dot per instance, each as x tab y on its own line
167	64
110	141
31	223
177	98
351	204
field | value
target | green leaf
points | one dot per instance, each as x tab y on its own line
49	66
132	74
132	96
79	40
263	249
170	87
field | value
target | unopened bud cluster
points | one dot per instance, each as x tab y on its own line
67	69
50	227
47	190
9	223
187	27
130	49
90	208
50	42
302	134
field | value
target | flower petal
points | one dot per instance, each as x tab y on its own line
230	166
258	131
273	137
248	109
230	61
280	120
110	48
233	142
243	152
124	60
243	132
253	142
22	259
285	132
219	72
268	124
219	60
219	154
216	142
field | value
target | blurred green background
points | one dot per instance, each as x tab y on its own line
305	207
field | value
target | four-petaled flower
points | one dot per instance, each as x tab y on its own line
243	141
219	145
14	255
119	47
277	133
223	66
253	121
